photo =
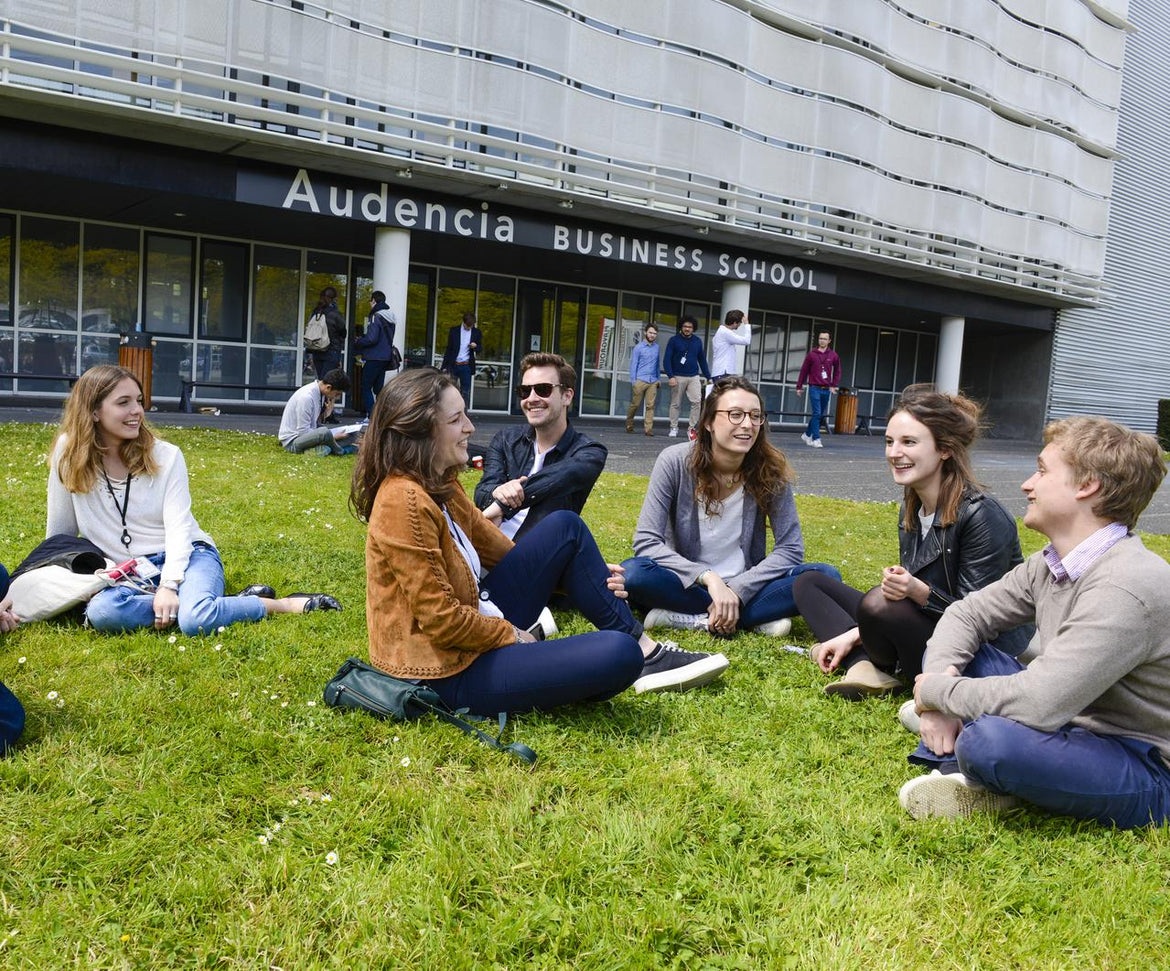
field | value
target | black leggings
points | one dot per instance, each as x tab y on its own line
893	632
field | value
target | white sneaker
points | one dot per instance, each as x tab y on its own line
670	618
949	796
816	443
547	624
804	438
774	628
908	718
673	433
670	668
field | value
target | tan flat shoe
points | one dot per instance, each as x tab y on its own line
863	680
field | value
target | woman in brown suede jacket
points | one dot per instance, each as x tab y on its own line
449	597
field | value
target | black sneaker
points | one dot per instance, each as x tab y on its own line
670	668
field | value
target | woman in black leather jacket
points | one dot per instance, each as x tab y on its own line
952	539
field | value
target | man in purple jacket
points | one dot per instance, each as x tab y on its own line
822	370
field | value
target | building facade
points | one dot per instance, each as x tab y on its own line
933	190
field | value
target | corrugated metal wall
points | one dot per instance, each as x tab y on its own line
1115	360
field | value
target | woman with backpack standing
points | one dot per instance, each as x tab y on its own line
326	356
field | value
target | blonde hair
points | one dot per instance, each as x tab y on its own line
1127	464
81	452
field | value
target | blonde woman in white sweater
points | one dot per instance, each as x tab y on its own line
114	482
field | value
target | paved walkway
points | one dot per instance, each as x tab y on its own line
848	467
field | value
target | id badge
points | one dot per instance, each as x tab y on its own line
824	375
683	359
145	569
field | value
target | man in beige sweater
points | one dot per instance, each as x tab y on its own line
1084	729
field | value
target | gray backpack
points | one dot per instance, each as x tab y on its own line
317	333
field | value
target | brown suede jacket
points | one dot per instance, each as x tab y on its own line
421	598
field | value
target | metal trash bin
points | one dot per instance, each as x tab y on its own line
846	423
136	353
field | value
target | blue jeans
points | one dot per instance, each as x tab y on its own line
3	581
818	401
202	605
1112	779
651	585
11	718
373	374
557	553
463	373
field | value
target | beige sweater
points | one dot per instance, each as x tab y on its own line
1103	646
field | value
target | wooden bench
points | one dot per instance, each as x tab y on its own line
26	376
190	384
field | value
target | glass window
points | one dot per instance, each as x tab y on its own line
924	369
276	309
907	351
223	303
172	362
666	314
570	319
419	291
799	329
43	353
7	360
765	354
275	368
96	349
327	270
48	275
109	280
7	356
220	364
887	358
844	341
492	387
170	263
600	324
455	297
866	356
495	313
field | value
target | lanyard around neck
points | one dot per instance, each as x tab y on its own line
122	507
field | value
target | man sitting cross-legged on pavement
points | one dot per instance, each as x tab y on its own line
535	469
1084	730
301	427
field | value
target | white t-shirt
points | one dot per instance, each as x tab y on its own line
724	359
925	523
471	555
719	537
464	355
510	527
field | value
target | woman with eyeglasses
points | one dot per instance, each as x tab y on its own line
700	560
114	482
952	538
453	602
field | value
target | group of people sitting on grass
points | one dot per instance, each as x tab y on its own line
1044	680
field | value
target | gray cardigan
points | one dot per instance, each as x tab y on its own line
668	528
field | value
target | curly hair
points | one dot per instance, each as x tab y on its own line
765	469
81	450
954	422
400	440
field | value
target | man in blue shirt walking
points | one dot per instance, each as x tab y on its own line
683	361
644	379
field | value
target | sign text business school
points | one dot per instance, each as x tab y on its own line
375	204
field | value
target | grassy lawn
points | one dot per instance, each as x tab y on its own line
176	803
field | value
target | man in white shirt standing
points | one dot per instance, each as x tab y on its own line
736	331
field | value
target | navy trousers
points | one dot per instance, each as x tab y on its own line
557	553
1112	779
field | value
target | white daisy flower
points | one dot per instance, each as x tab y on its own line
21	660
262	839
172	639
326	798
331	858
52	696
405	761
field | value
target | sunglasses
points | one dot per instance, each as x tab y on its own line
543	390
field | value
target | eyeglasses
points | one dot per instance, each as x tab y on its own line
737	415
543	390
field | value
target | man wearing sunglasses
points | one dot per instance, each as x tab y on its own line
535	469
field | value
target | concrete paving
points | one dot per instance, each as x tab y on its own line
848	467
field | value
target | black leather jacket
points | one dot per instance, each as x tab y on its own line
978	548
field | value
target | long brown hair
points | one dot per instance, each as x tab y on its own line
400	440
81	453
765	469
954	421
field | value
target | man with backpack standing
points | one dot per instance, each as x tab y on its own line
376	346
325	334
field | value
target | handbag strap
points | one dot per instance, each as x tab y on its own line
518	749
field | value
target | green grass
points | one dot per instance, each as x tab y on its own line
754	824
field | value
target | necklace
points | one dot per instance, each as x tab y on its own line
123	507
